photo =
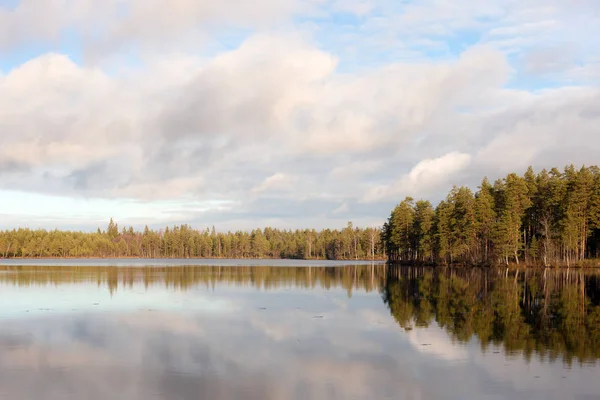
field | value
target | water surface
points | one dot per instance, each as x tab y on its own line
297	332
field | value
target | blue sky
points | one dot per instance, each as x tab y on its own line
291	113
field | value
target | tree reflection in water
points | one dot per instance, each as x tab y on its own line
552	313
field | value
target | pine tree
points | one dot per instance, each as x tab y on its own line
400	225
113	229
423	230
463	233
485	219
513	196
442	229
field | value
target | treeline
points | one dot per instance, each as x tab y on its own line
554	313
185	242
551	218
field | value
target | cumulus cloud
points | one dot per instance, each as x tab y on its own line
114	25
282	113
278	181
426	175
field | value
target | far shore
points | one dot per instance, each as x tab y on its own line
588	264
188	258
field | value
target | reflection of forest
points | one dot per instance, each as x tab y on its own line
362	277
552	313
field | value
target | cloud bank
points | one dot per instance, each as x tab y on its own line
288	112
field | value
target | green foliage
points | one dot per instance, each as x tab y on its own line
485	219
552	218
185	242
423	236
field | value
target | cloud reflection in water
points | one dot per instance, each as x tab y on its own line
242	340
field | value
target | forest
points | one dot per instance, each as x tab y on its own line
349	243
551	218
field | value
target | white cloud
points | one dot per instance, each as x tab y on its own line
356	169
114	25
435	342
276	111
277	181
526	28
343	208
358	7
426	175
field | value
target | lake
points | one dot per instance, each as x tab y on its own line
272	329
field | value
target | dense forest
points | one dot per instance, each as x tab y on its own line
551	218
349	243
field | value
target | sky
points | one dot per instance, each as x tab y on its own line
288	113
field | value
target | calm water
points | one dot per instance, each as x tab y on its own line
295	332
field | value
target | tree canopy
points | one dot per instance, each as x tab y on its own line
548	218
185	242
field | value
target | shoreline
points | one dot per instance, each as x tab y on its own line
189	258
592	264
589	265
